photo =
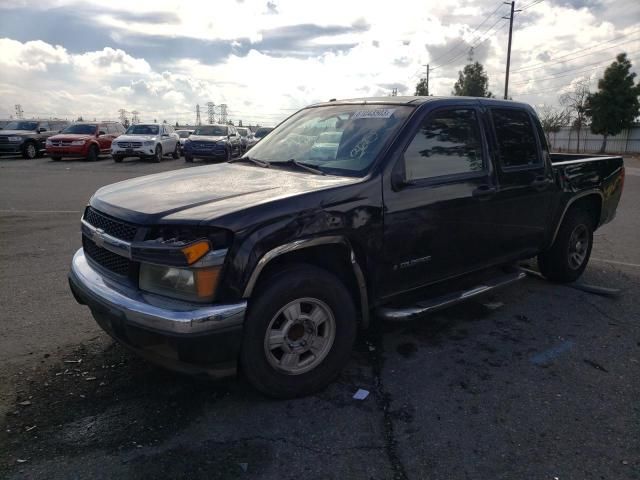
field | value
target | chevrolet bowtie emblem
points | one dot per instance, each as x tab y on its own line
98	237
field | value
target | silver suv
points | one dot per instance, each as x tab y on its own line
147	140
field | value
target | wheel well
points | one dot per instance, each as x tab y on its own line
592	204
334	258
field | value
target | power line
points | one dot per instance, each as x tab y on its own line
461	41
544	64
564	73
488	31
532	4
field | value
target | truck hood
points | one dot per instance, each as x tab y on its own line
205	193
16	132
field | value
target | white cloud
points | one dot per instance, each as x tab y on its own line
390	44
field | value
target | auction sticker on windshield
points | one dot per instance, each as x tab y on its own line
379	113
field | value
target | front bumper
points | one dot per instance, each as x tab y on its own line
143	151
13	147
186	337
68	151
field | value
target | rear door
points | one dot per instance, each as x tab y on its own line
523	201
437	208
104	138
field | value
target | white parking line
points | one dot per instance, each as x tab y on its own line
627	264
40	211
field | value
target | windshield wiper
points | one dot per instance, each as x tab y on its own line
302	165
261	163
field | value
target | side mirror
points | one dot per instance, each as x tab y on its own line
398	180
101	132
42	129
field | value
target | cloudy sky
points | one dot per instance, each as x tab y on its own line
266	59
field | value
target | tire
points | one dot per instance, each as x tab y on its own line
176	152
569	255
56	158
228	154
93	154
117	158
305	371
30	151
158	155
188	158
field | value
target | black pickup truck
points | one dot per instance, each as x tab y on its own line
28	137
348	212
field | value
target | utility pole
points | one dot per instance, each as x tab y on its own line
506	77
394	92
134	117
19	112
198	121
427	67
210	112
123	116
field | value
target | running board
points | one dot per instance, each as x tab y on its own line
401	314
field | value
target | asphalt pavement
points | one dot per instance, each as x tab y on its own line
535	381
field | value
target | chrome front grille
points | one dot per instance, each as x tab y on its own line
111	226
129	144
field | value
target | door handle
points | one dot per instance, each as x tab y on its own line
484	191
540	182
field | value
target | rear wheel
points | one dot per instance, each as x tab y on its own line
56	158
30	150
93	154
569	255
157	157
299	332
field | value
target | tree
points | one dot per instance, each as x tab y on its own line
422	88
553	120
79	119
575	103
472	82
615	105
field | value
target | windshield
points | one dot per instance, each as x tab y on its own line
242	131
261	132
82	128
21	126
143	130
212	130
340	139
183	133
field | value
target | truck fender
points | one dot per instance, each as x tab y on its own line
312	242
571	202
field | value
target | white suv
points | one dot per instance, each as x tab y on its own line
147	140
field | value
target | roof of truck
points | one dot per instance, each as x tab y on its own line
409	100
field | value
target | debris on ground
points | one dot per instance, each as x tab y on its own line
21	460
596	289
244	466
26	403
493	305
361	394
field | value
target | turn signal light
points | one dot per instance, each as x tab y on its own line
196	251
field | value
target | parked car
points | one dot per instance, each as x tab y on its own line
246	138
28	137
147	140
261	132
86	140
213	142
183	135
275	259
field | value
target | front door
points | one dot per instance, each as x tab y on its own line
438	206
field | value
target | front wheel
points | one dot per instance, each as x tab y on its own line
188	158
569	255
30	151
157	157
176	152
299	332
93	154
117	158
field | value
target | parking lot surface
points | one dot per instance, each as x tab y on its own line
536	381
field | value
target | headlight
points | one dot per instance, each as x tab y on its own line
15	139
148	142
191	284
78	142
48	142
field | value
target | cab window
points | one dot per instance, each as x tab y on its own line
448	143
517	146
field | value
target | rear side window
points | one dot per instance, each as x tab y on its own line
517	145
448	143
